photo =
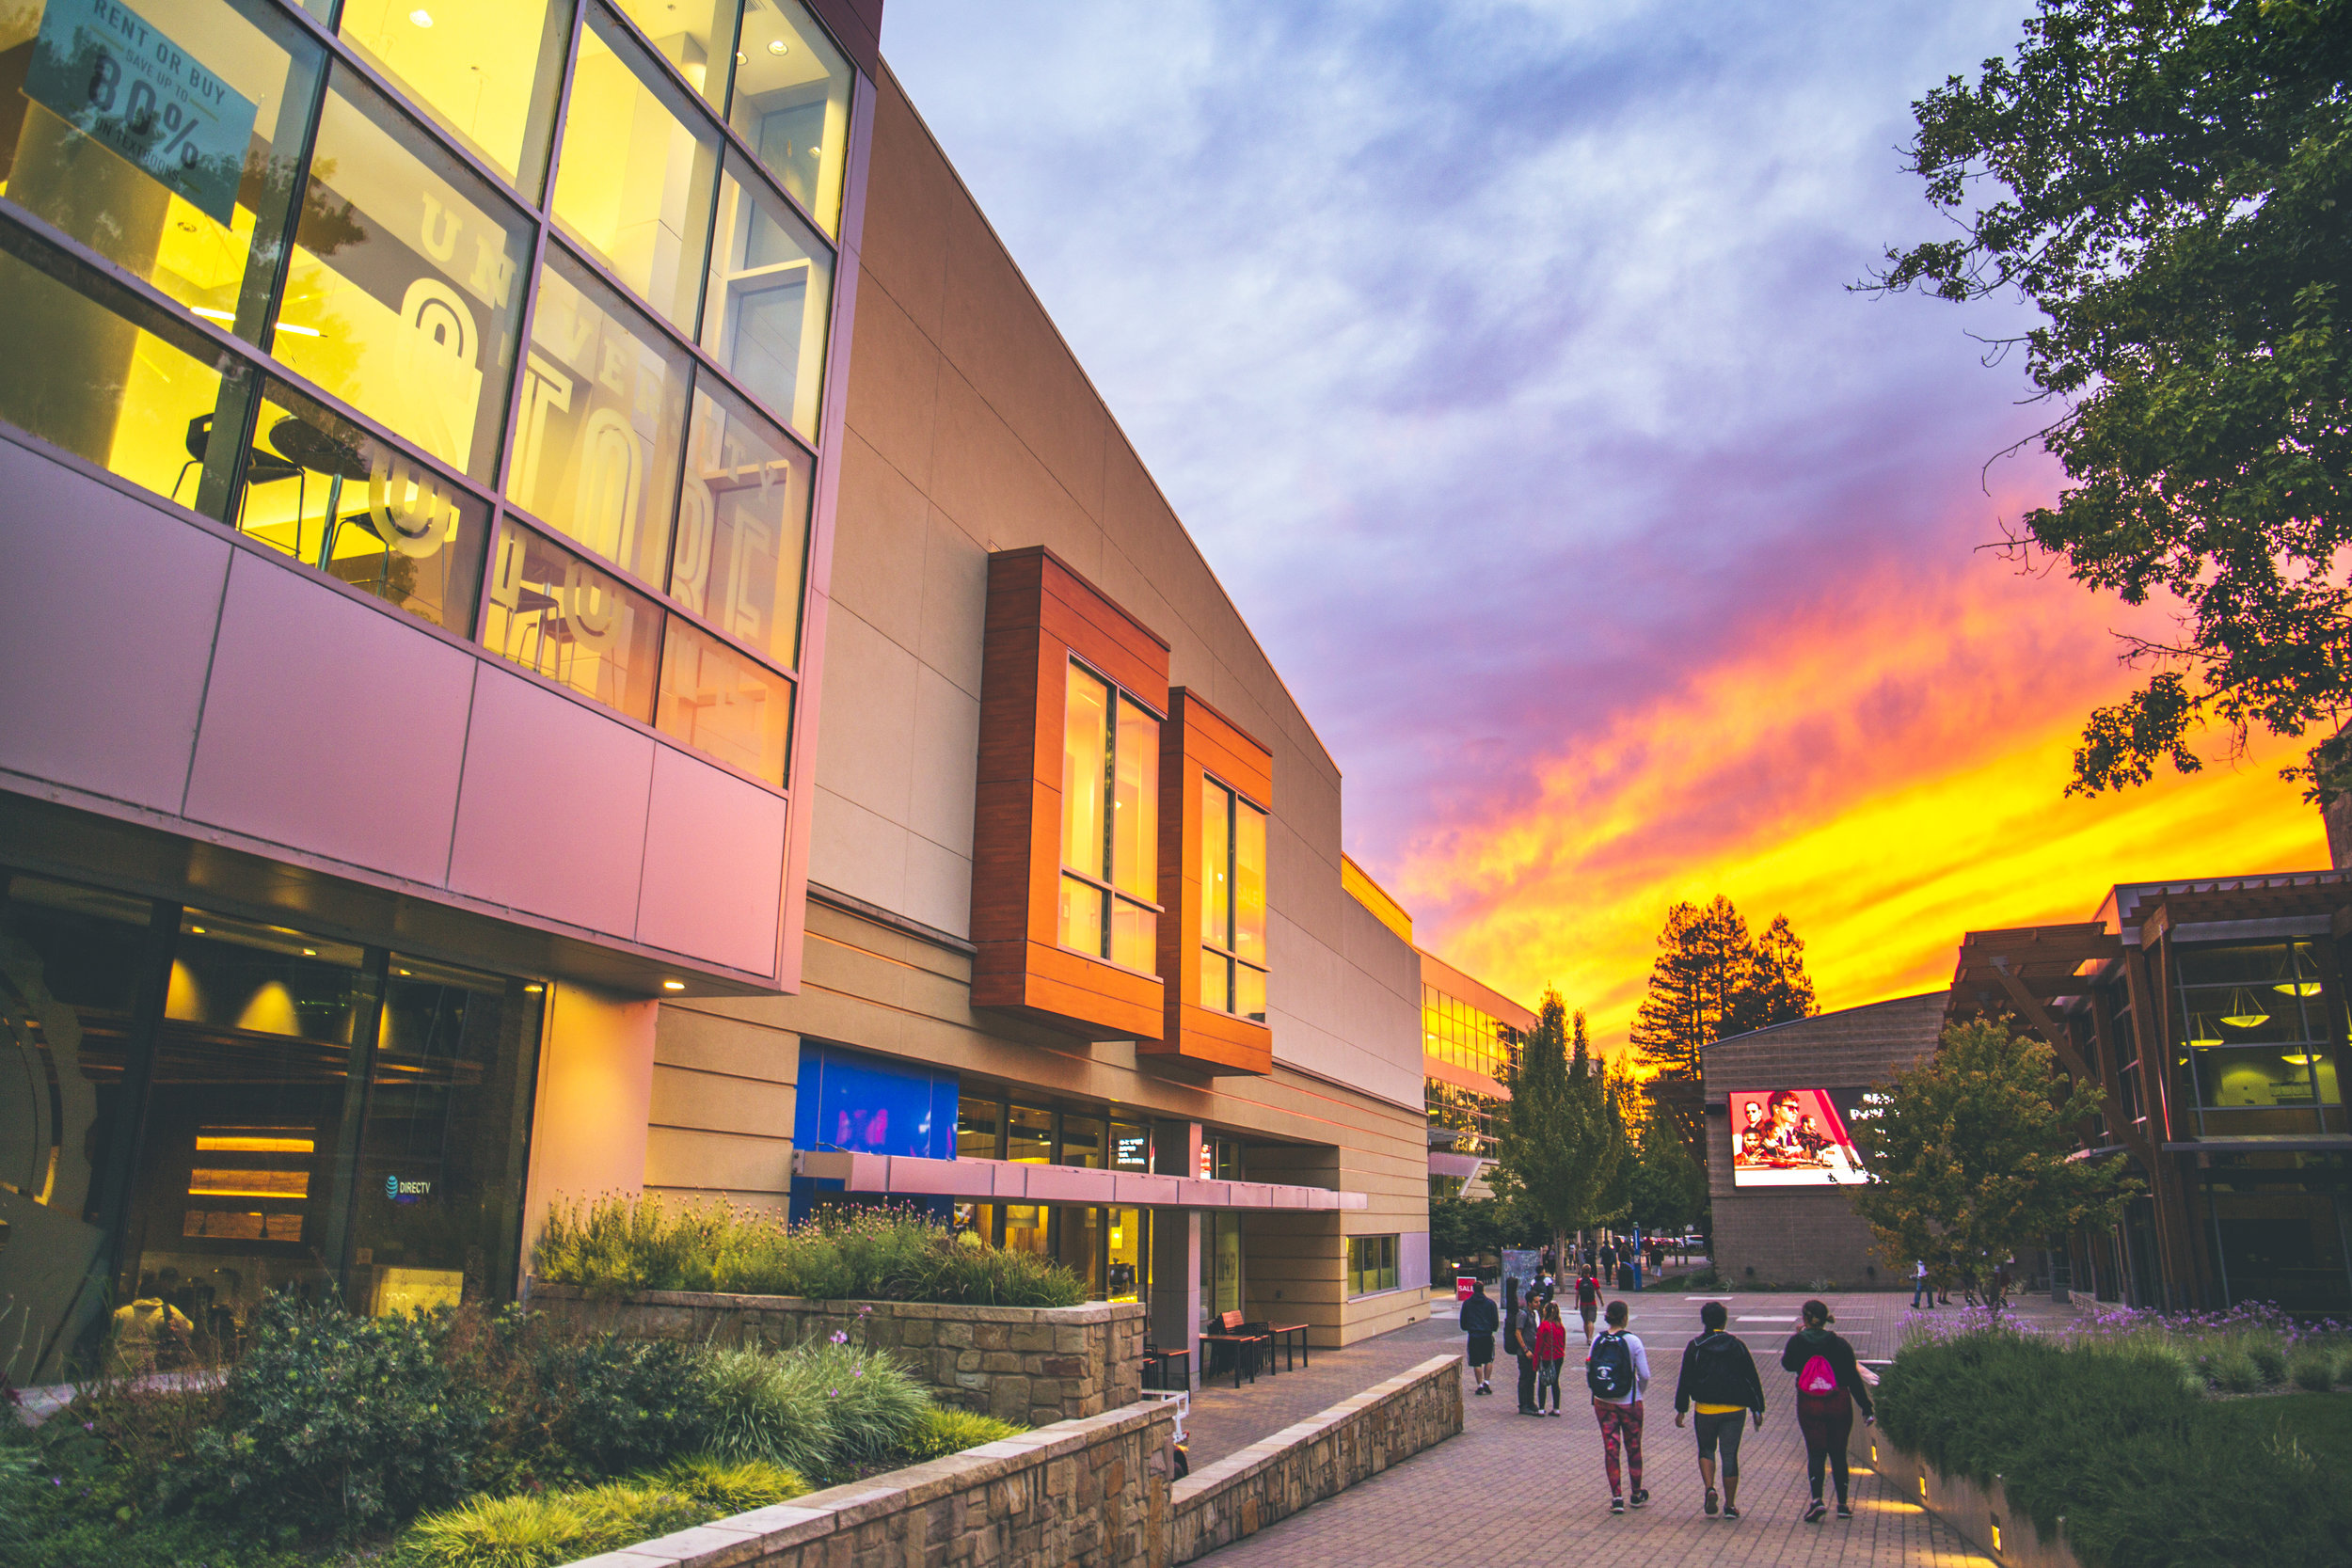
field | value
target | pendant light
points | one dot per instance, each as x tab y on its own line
2200	1031
2245	1012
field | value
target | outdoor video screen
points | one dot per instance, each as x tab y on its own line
1794	1137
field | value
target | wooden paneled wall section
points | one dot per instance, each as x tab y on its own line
1041	614
1197	739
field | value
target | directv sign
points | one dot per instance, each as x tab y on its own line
407	1192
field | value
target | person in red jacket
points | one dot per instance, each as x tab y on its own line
1552	1352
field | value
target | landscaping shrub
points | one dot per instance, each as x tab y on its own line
2234	1368
2269	1358
769	1407
537	1530
2313	1367
611	1405
944	1432
621	1244
2145	1470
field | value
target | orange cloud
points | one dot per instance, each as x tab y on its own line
1884	766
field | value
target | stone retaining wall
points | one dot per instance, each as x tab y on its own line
1981	1515
1087	1494
1319	1457
1030	1365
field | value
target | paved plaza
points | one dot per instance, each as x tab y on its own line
1514	1490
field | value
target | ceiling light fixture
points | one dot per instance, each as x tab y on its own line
778	47
533	990
309	952
422	17
195	931
2197	1027
2245	1012
672	985
2297	1060
2296	988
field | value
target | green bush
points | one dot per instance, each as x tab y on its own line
2269	1358
826	1409
2313	1367
2234	1368
339	1423
619	1245
2145	1470
611	1405
944	1432
535	1530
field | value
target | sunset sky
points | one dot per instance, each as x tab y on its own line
1501	358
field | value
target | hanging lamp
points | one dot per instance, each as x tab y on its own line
2245	1012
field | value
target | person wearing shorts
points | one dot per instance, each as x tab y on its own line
1479	1322
1587	1301
1719	1388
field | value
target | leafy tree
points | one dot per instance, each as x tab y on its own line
1463	1228
1711	979
1562	1134
2169	181
1968	1154
1668	1190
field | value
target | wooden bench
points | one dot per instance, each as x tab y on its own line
1246	1340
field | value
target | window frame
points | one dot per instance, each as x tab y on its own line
1112	893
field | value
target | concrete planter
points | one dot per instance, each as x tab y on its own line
1981	1515
1030	1365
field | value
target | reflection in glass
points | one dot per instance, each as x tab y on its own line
79	376
1248	882
723	705
1082	1143
485	72
1216	851
1080	1245
192	196
1232	904
600	429
1085	762
770	290
322	490
1081	918
1025	1227
403	298
635	179
553	613
792	104
743	527
695	36
1128	1251
1136	807
978	1124
439	1184
1029	1136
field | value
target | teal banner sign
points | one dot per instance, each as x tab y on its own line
99	67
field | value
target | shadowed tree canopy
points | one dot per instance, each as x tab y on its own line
1563	1131
1712	980
2169	181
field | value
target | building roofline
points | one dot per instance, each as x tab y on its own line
1816	1018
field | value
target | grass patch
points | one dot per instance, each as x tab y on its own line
618	1244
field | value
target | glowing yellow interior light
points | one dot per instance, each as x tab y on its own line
2296	988
2298	1060
248	1142
249	1184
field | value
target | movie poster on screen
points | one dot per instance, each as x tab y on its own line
1794	1137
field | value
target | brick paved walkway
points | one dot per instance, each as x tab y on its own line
1514	1490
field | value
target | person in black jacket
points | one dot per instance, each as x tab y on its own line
1829	1385
1480	1321
1719	1379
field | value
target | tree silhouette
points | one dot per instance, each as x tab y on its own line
1563	1133
1712	980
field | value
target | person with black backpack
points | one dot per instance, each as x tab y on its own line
1829	1385
1519	1323
1479	1322
1616	1371
1718	1378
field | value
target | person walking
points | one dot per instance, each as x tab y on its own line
1919	1286
1616	1371
1829	1385
1479	1321
1587	1302
1719	1385
1551	1354
1518	1338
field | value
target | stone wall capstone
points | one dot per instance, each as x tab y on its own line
1033	1366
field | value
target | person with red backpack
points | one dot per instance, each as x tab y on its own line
1616	1371
1829	1385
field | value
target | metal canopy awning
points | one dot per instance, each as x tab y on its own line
1009	1181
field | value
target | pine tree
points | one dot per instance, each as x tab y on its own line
1561	1132
1711	980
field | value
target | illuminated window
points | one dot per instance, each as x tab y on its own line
792	104
742	532
1371	1264
637	173
192	196
403	297
1233	903
721	704
1110	823
553	613
770	290
601	428
324	491
695	36
485	72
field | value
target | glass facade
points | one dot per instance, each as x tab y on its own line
1108	1247
2256	1052
1233	903
1110	815
548	380
222	1108
1463	1036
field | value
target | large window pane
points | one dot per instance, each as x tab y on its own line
1136	805
1085	759
1082	916
1249	991
77	375
1135	936
792	104
770	292
551	613
486	71
403	298
176	160
635	180
1248	882
743	527
441	1157
324	491
696	36
601	427
1216	887
723	705
1031	1137
979	1122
